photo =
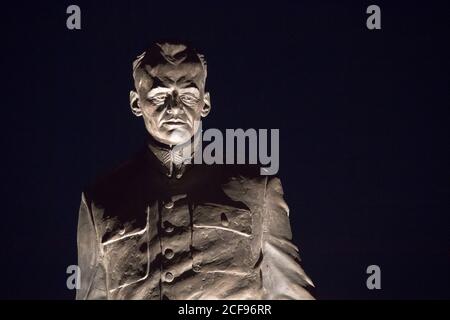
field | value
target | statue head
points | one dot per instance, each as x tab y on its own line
169	80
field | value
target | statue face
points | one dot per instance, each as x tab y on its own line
172	101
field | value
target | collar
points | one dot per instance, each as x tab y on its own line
174	159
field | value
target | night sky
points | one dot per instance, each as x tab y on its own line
363	118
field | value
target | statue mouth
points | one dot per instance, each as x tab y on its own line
174	123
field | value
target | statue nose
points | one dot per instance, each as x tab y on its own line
174	107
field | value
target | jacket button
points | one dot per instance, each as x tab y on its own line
196	268
168	253
168	205
168	276
224	219
168	228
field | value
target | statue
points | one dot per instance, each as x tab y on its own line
159	227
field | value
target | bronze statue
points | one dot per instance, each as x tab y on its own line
160	227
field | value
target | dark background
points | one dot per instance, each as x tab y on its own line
363	117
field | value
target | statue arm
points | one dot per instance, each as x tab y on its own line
283	277
92	272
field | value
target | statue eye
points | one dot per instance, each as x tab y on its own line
189	99
158	99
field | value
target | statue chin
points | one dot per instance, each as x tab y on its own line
173	138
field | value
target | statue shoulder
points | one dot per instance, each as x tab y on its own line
118	183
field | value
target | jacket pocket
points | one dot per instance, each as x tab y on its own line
127	259
222	237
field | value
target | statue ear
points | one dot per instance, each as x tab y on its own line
207	106
134	104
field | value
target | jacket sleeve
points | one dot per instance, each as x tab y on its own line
92	272
282	275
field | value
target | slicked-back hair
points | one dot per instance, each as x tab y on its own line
166	52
